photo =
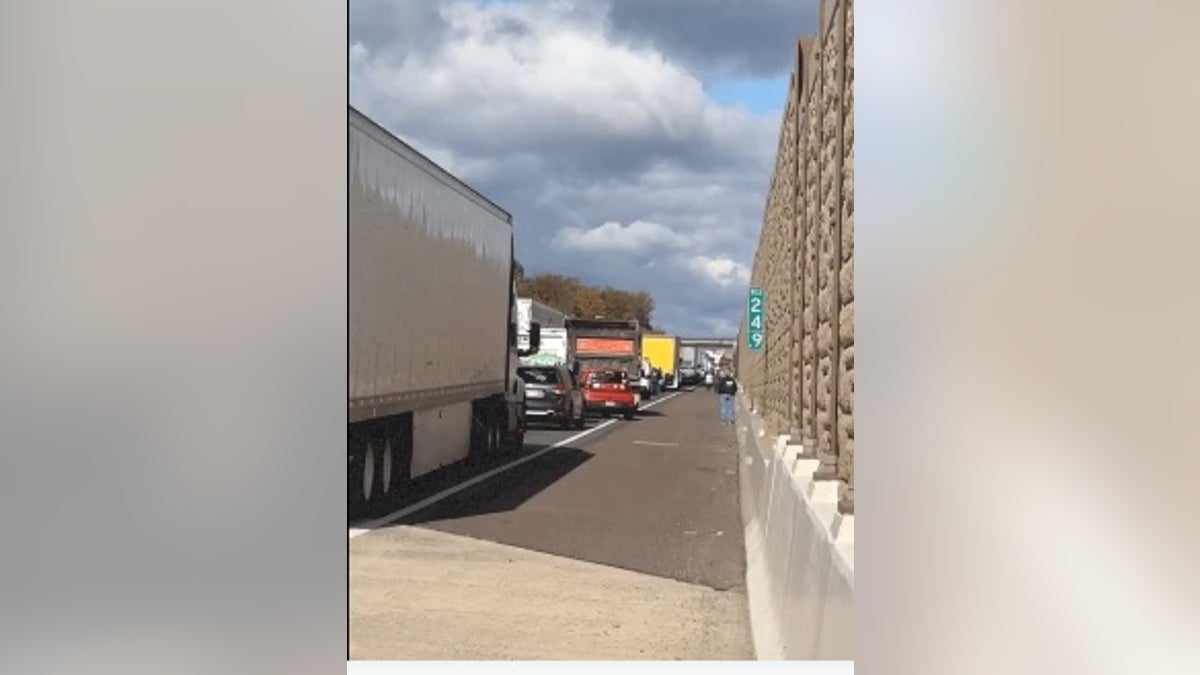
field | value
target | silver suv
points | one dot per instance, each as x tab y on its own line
552	395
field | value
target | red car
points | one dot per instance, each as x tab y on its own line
609	391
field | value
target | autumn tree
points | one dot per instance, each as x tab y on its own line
589	303
555	290
573	297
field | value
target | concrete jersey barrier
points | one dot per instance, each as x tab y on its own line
799	550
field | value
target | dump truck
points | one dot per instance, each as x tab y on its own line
606	356
605	343
433	347
662	351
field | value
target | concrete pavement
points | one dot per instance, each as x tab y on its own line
422	594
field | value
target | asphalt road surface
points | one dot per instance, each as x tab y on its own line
621	541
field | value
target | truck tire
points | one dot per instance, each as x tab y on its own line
629	415
387	468
481	429
396	461
511	440
366	479
354	468
492	444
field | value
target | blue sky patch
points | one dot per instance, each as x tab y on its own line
760	95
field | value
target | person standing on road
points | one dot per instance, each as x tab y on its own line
726	389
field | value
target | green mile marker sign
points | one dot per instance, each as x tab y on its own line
756	305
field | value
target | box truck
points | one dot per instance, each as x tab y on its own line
531	311
432	320
524	321
662	351
553	349
689	370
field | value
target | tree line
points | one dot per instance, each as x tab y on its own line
575	298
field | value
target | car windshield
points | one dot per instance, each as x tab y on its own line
539	375
608	377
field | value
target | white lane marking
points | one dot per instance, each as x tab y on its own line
667	445
454	489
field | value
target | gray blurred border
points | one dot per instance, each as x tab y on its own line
173	286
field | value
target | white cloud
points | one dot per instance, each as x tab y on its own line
720	271
554	114
637	237
358	54
721	326
524	74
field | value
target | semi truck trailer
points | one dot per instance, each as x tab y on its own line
432	320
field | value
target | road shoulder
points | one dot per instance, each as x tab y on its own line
416	593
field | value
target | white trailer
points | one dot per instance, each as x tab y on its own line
432	320
524	321
553	349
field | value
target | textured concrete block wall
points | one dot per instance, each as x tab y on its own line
846	275
802	383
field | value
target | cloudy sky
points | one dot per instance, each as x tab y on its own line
632	140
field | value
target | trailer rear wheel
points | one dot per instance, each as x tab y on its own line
483	428
514	439
388	460
353	484
494	437
366	485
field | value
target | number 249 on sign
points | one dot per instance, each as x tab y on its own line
756	301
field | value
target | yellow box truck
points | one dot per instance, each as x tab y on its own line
662	351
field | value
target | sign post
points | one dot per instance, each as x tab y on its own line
756	335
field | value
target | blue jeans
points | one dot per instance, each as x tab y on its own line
726	407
